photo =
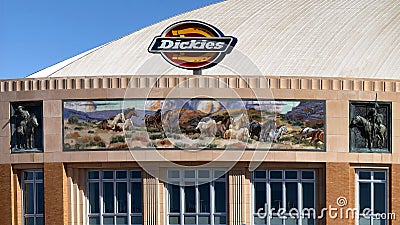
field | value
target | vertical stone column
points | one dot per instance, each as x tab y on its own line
76	187
17	197
236	197
339	183
150	200
56	194
6	195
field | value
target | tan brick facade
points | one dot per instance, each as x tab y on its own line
6	194
394	192
339	183
65	194
56	201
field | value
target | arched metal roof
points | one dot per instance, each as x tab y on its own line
342	38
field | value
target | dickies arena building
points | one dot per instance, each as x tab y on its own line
241	112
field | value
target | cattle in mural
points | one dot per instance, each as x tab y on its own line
193	124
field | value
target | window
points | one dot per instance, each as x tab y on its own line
284	197
371	197
33	199
115	197
193	199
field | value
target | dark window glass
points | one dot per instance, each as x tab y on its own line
174	220
220	197
276	196
364	175
108	197
260	195
308	195
39	198
291	195
122	220
93	174
307	175
365	196
94	206
136	174
175	198
108	174
121	197
204	192
121	174
379	198
29	199
94	221
108	220
275	175
190	199
136	194
28	175
379	175
136	220
39	221
30	221
290	174
39	175
259	174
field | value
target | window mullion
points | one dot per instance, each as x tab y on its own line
182	203
101	198
115	197
268	196
372	201
284	196
300	198
34	198
212	203
129	197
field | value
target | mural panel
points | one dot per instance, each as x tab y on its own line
370	126
194	124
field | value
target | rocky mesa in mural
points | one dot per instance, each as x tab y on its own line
194	124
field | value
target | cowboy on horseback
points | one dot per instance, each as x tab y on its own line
26	127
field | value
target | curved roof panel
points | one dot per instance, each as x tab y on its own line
343	38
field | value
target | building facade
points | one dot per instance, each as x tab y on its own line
298	125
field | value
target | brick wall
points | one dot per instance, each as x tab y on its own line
6	194
56	197
394	192
339	183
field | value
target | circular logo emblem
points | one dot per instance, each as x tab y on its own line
192	45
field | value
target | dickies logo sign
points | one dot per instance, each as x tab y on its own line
192	45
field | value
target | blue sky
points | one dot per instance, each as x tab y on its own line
37	34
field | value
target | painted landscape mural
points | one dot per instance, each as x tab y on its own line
194	124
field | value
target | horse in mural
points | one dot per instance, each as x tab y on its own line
366	131
153	120
274	135
26	131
